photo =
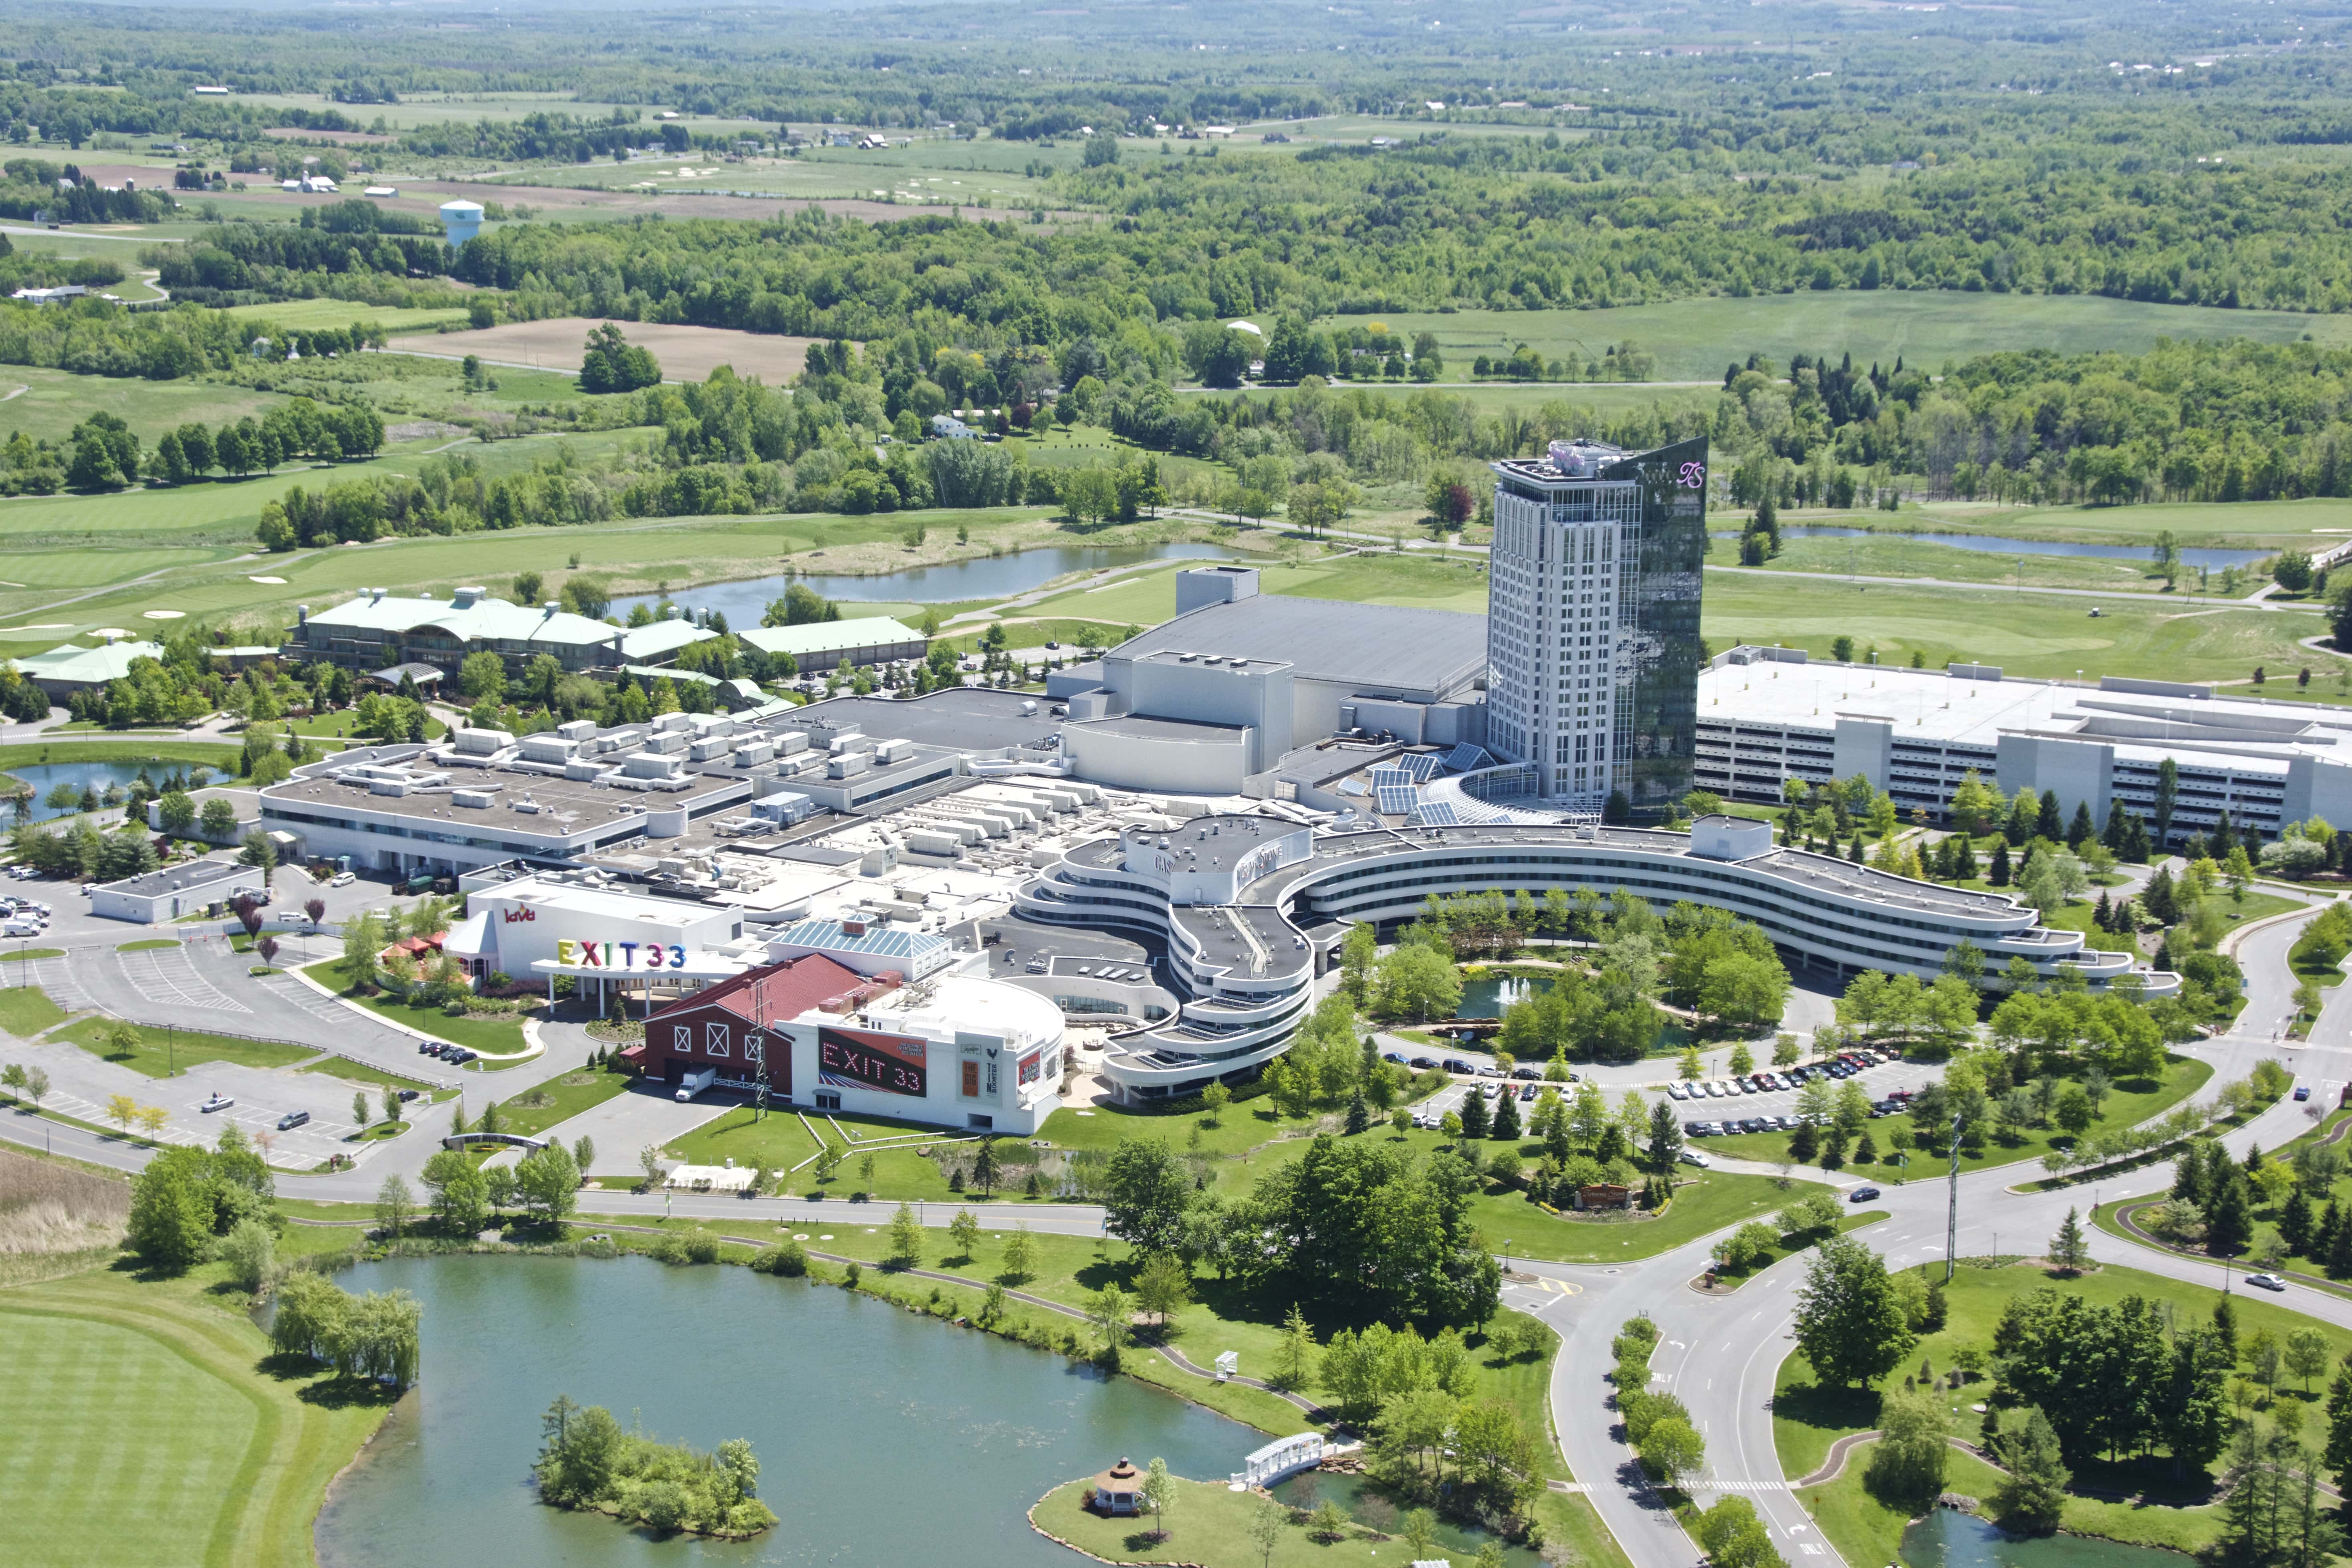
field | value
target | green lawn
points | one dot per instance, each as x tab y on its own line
2134	1100
564	1097
2025	633
363	1073
1209	1524
232	1450
55	401
1694	338
27	1010
160	1049
494	1036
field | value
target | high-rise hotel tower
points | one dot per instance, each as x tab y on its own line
1592	643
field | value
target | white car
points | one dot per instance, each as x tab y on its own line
2267	1282
1713	1090
1693	1157
19	927
1678	1091
217	1102
344	880
1733	1086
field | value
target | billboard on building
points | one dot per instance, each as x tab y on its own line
860	1058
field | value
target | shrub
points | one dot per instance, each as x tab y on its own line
786	1259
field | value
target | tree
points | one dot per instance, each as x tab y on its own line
2306	1353
1146	1191
1294	1358
1020	1255
1163	1286
1907	1464
360	1108
965	1232
393	1205
1358	953
1214	1101
1159	1490
1734	1537
2032	1495
1113	1316
1850	1324
171	1209
120	1109
547	1181
153	1120
1418	982
250	1251
906	1238
459	1194
2069	1250
259	853
1671	1451
1267	1520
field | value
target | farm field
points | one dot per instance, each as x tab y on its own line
2025	633
1695	339
309	315
686	354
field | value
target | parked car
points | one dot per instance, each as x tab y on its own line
1861	1194
1693	1157
1490	1070
2267	1282
408	1094
1423	1064
21	926
1678	1091
342	878
1396	1057
217	1101
1530	1074
1699	1129
292	1120
1457	1065
428	1048
1527	1091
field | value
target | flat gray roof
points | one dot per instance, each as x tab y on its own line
1380	646
961	719
1146	728
179	878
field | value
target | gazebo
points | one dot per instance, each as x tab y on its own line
1119	1489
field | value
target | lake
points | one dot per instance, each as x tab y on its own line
46	776
1993	545
982	577
883	1437
1949	1538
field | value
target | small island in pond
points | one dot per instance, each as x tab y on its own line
589	1461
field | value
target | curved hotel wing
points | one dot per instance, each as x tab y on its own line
1249	905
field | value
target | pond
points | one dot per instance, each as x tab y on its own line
982	577
1948	1539
1488	995
46	776
883	1437
1993	545
1368	1504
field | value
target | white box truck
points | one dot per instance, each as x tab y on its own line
694	1083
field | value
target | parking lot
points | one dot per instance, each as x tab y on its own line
84	1084
1876	1082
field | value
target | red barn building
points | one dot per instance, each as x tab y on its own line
715	1026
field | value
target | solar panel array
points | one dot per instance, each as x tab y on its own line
1389	773
1394	799
1436	814
1421	765
1466	757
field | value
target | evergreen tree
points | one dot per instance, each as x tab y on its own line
1506	1129
2049	824
2022	815
2188	1177
1964	860
2323	1229
2160	900
2080	831
2338	1456
2229	1224
1359	1115
2103	913
2032	1495
2295	1223
2339	1249
2068	1249
1999	876
1473	1113
1854	850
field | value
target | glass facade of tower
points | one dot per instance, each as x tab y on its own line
1593	621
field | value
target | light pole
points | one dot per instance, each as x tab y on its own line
1952	1214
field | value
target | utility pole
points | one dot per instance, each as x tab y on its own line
1952	1214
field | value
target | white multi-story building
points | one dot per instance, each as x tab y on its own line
1593	621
